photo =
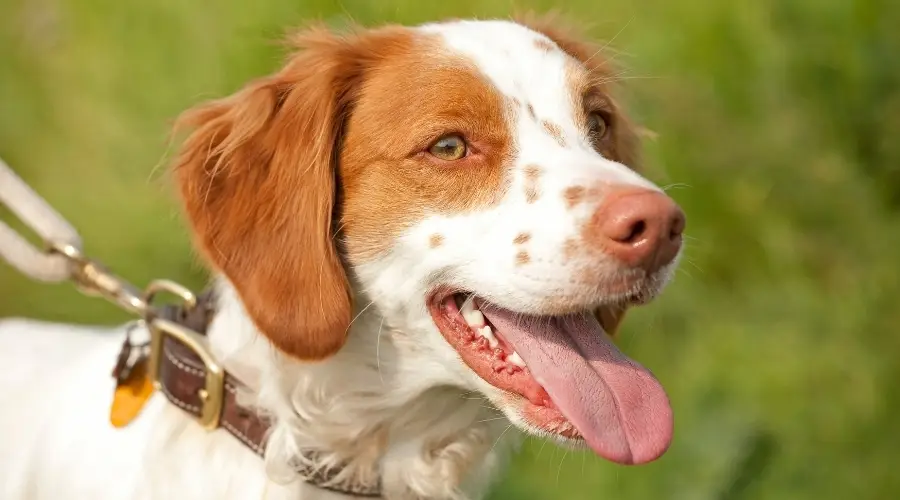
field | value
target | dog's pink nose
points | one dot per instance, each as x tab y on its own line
640	227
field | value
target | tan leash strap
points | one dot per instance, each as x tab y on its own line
39	216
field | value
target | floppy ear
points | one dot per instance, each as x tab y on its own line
572	40
258	183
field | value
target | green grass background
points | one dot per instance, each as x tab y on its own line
778	342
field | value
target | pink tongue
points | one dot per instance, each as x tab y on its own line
616	404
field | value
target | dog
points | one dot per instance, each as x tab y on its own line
423	240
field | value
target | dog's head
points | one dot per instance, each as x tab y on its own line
475	181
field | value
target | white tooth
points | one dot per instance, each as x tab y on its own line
473	317
515	359
488	334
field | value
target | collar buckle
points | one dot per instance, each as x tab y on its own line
213	394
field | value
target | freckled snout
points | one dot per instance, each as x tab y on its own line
639	227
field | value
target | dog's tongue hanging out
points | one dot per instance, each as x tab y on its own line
617	405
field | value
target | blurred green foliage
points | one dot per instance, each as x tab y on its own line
778	127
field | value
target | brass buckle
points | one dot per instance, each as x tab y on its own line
213	393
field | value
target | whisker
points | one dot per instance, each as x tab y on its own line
693	264
378	351
616	78
543	443
610	41
361	312
489	420
508	427
677	185
559	469
683	271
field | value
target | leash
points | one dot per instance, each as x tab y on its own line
177	360
40	217
62	258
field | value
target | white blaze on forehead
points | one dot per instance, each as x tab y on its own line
515	60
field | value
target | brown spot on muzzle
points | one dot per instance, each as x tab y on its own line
435	240
555	132
522	238
532	175
574	195
522	258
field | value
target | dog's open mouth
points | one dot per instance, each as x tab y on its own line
568	370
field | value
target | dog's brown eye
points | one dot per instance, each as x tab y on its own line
598	125
449	148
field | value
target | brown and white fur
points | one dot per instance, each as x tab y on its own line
314	195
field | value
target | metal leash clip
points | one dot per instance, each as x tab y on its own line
62	259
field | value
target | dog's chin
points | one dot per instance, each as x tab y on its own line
537	421
499	345
634	288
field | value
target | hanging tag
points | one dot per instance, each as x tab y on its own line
131	395
133	384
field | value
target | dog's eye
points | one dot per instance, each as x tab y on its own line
598	125
450	147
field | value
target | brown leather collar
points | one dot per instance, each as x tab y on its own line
182	379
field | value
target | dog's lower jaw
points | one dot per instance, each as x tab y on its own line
437	443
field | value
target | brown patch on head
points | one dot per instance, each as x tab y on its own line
573	195
522	238
555	131
532	175
544	45
389	179
435	240
522	258
260	186
593	77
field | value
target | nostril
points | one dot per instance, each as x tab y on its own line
637	229
677	225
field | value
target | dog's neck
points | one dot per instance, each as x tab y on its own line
368	408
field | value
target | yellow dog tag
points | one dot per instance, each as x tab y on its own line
131	395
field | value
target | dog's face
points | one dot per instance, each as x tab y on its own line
474	180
